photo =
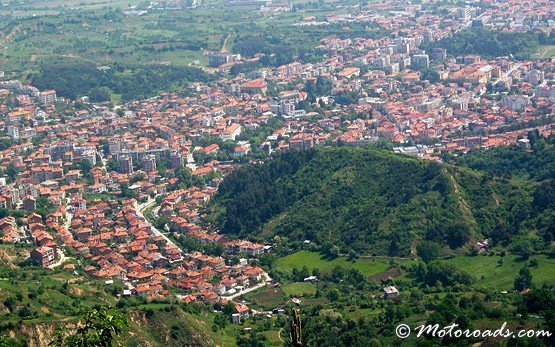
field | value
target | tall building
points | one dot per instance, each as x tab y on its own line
176	160
215	60
125	164
420	61
13	131
48	97
114	146
439	53
149	163
428	36
464	13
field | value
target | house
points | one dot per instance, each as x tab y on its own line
43	256
390	292
236	318
29	203
231	132
254	86
240	151
243	310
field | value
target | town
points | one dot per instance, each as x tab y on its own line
120	191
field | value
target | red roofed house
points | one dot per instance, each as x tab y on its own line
44	256
254	86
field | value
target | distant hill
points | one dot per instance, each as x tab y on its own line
371	201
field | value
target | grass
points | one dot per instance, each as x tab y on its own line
51	295
546	52
362	312
299	289
367	266
222	337
267	297
489	273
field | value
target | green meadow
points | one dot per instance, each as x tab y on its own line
367	266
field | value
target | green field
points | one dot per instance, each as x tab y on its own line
299	289
368	266
489	273
267	297
546	52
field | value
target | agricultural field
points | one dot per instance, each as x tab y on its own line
102	33
367	266
267	297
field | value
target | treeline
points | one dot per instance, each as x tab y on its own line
490	43
72	80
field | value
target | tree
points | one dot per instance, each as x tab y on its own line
7	341
526	244
183	174
523	280
12	172
428	250
330	250
333	295
100	94
352	255
458	234
99	329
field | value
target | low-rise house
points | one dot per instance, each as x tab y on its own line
390	292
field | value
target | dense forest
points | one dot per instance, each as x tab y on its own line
377	202
72	80
490	43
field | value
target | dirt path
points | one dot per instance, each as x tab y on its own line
224	48
462	202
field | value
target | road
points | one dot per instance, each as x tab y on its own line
140	208
62	259
508	73
248	290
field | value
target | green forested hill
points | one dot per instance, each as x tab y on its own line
375	202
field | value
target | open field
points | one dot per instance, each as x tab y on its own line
488	272
299	289
546	52
368	266
267	297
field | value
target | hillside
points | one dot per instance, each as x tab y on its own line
147	327
369	200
